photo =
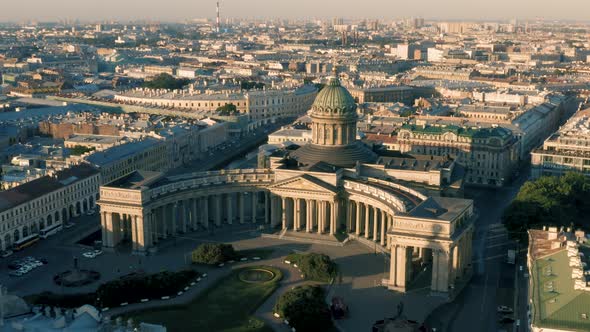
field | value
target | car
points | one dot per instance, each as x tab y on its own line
97	252
6	253
505	309
15	273
69	225
89	254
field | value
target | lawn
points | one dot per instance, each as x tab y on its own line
227	306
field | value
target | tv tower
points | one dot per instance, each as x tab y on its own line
217	25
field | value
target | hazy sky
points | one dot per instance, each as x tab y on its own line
169	10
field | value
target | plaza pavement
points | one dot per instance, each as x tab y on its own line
360	268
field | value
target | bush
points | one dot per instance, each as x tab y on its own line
213	253
305	308
137	287
318	267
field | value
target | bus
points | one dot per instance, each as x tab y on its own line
48	231
25	242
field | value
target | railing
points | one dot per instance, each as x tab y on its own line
377	193
213	178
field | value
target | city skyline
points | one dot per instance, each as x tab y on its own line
178	10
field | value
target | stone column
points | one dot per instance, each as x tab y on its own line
254	206
358	206
403	267
313	215
308	215
194	218
241	203
206	211
367	220
296	214
383	222
174	217
184	215
443	271
455	263
110	230
434	283
218	210
266	207
333	217
393	267
349	217
375	224
134	233
321	217
140	234
229	206
284	211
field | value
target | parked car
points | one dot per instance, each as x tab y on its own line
89	254
6	253
69	225
505	309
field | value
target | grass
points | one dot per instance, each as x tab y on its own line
227	306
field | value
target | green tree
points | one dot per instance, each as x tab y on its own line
551	201
79	150
227	110
213	253
317	267
165	81
305	308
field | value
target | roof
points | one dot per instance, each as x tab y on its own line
557	304
440	208
461	131
34	189
118	152
334	98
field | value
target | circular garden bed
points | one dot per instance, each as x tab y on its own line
256	275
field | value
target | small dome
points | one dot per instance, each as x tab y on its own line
334	99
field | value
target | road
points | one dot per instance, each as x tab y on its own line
493	279
231	150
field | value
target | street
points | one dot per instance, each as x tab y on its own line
493	281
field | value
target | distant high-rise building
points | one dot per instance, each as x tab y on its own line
98	28
217	23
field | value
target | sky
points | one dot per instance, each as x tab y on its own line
180	10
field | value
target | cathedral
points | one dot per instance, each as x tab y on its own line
331	188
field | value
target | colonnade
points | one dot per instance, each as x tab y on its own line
303	214
146	227
369	221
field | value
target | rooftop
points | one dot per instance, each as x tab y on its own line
44	185
440	208
118	152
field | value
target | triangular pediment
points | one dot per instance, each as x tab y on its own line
304	183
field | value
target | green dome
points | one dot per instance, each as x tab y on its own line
334	99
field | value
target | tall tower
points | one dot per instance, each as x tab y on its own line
217	22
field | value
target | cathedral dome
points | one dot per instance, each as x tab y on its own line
334	99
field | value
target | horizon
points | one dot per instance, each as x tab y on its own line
176	10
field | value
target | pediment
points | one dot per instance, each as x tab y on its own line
304	183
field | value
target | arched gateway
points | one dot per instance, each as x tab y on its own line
324	187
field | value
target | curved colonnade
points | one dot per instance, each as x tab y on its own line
189	202
153	208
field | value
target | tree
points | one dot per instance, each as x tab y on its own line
305	308
213	253
318	267
79	150
227	110
551	201
249	85
165	81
